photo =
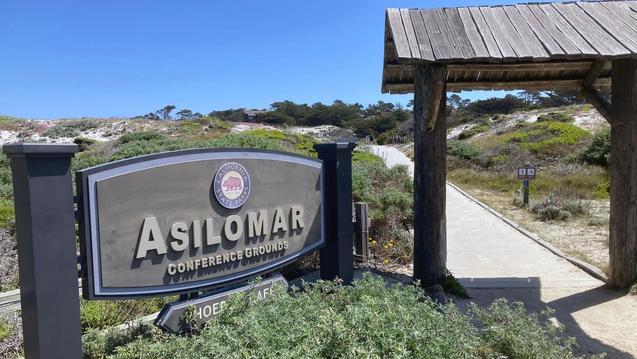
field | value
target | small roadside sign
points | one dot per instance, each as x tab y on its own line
526	173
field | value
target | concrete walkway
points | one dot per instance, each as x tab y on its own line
493	260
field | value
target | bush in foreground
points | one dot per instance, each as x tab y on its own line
366	320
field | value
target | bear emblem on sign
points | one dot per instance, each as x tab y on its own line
231	185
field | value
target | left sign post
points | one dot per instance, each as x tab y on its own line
45	229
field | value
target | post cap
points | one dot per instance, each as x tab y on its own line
35	150
335	146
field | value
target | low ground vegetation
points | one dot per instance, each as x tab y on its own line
328	320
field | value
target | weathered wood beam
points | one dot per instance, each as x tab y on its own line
588	89
623	177
601	105
430	172
505	85
500	67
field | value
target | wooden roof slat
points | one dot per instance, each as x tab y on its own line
410	34
561	38
438	44
458	33
485	32
626	35
424	44
621	11
528	36
473	35
566	28
550	45
400	38
450	40
498	33
518	44
596	36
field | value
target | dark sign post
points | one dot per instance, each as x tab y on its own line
526	173
337	257
45	230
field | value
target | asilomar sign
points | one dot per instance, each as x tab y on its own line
181	221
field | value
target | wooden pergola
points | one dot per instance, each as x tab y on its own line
583	45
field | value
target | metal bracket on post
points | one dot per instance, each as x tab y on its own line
361	232
337	256
45	227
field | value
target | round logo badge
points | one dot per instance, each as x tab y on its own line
232	185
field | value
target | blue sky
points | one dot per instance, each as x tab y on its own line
123	58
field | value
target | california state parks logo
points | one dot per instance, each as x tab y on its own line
232	185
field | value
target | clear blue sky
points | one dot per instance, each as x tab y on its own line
122	58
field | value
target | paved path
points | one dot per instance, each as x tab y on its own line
494	260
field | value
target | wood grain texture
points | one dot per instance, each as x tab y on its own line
586	26
430	174
527	35
398	31
410	34
550	45
623	177
473	35
499	34
563	26
517	43
621	12
424	45
617	29
485	32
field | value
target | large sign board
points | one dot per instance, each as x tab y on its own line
173	319
181	221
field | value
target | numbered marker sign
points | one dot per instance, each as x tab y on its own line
526	173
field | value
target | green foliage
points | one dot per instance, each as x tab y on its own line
473	130
7	213
366	157
598	152
5	329
97	314
451	285
140	136
555	117
98	343
493	105
507	330
71	128
389	194
6	179
463	150
369	319
202	125
84	143
561	204
546	137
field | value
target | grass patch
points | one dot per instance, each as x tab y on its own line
99	314
7	213
474	130
5	329
546	138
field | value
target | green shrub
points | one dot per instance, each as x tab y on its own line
7	213
140	136
70	128
560	204
369	319
508	331
463	150
556	117
547	138
473	130
5	329
84	143
389	194
598	152
98	343
366	157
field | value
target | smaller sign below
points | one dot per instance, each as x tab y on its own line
208	307
526	173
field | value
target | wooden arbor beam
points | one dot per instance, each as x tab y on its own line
623	175
430	173
592	95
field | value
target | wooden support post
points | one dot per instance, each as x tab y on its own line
361	231
623	175
430	174
592	95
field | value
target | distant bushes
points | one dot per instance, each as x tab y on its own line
463	150
389	194
368	319
546	137
70	128
560	204
556	117
598	152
